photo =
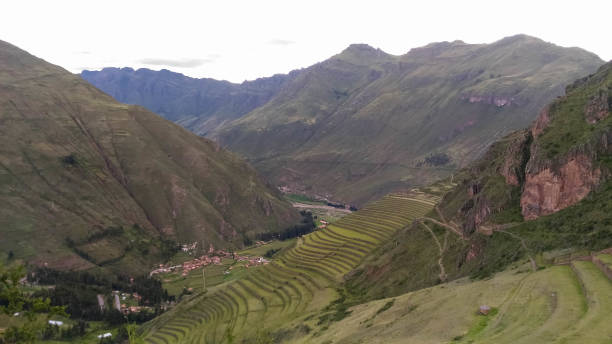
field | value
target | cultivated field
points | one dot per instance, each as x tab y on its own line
301	281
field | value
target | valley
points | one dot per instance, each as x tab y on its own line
457	193
363	123
301	281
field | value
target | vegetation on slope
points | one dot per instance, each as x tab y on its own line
297	292
560	304
362	123
201	105
87	182
484	201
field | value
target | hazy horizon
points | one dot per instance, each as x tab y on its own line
241	40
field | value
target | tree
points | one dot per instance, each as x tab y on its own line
13	300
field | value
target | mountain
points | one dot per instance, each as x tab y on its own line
541	192
88	182
363	122
201	105
514	248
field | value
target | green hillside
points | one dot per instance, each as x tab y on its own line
560	304
536	190
364	122
296	293
88	182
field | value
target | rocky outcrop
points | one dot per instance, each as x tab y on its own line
515	158
541	122
549	190
598	107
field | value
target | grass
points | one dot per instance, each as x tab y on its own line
303	278
260	251
559	304
80	162
300	198
606	259
175	282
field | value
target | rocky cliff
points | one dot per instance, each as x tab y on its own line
540	189
553	165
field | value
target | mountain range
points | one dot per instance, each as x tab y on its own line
364	122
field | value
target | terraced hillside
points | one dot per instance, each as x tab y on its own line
302	281
568	303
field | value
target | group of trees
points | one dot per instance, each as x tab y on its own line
14	300
78	290
306	226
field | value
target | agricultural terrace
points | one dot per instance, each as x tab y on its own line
302	279
566	303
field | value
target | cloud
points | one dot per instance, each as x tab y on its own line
281	42
181	63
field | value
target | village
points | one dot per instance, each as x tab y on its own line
212	257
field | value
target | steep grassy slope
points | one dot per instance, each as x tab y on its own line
285	299
86	181
201	105
561	304
364	122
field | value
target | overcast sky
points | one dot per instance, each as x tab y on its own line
238	40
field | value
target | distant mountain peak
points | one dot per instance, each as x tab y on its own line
519	38
361	52
361	47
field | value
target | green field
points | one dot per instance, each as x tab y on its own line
300	282
259	251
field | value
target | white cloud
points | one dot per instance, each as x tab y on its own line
179	63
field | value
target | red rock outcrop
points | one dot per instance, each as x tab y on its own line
549	190
516	154
597	108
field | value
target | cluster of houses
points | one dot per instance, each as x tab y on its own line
323	224
198	263
213	257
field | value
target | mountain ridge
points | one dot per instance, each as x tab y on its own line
363	122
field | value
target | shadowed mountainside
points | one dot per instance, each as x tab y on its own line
201	105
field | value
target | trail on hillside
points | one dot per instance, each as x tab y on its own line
445	225
441	249
534	266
